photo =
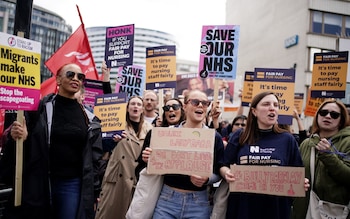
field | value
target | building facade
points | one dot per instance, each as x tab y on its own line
286	34
47	27
143	38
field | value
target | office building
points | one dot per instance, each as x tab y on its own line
286	34
47	27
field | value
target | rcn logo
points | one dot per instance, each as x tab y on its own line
254	149
83	58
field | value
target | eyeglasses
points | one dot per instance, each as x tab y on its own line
334	115
166	108
196	102
239	124
71	74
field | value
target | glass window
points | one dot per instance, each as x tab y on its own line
332	24
311	57
317	22
347	26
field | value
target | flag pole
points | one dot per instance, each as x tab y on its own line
92	57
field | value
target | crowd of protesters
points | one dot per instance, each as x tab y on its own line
64	175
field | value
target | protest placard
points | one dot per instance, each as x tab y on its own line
247	91
111	110
218	52
298	102
131	80
182	151
279	180
92	88
280	82
160	67
119	49
329	75
20	73
312	105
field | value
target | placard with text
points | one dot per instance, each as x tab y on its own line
131	80
298	102
218	52
280	82
161	67
247	91
119	45
185	151
93	88
280	180
20	73
329	75
111	110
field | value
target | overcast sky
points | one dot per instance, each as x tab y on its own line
182	18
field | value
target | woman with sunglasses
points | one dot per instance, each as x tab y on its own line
173	114
62	148
331	139
276	146
119	180
184	196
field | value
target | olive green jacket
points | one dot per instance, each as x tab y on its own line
332	172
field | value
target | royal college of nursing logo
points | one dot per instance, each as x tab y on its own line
82	58
11	41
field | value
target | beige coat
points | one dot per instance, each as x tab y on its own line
119	180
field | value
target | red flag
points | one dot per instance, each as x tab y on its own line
75	50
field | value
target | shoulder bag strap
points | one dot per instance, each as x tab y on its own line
312	166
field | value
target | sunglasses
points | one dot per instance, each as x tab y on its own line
71	74
166	108
334	115
196	102
240	124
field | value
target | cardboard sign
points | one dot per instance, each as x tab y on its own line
19	73
218	52
119	49
160	67
281	82
281	181
329	75
188	151
131	80
111	110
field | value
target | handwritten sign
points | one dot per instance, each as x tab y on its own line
247	92
281	82
218	52
20	73
160	67
281	181
131	80
119	46
111	110
182	151
329	75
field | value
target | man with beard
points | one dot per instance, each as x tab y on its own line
150	102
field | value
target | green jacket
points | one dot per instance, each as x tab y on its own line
332	172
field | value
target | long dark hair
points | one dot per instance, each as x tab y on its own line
251	132
182	117
128	121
